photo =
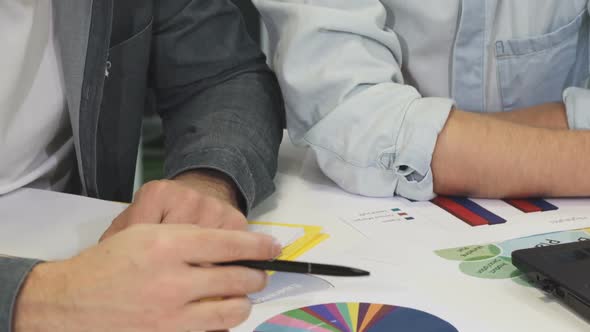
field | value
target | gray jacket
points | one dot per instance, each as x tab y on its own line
220	104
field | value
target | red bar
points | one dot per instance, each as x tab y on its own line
459	211
524	205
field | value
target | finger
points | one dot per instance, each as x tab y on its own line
193	208
234	220
152	203
134	214
199	246
226	217
215	315
212	282
118	224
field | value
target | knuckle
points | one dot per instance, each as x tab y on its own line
155	187
238	282
240	312
260	282
232	314
132	218
265	247
227	277
245	281
191	196
161	245
213	206
225	245
220	317
236	220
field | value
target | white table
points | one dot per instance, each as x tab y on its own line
404	271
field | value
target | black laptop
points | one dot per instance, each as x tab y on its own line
562	270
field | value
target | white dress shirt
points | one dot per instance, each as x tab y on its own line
36	146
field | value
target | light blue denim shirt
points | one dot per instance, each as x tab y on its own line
369	83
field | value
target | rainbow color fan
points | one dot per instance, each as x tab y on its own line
355	317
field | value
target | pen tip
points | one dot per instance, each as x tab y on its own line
362	272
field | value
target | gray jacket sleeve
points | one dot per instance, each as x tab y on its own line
13	271
221	105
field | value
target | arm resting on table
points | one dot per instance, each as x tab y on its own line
339	65
483	157
550	116
221	105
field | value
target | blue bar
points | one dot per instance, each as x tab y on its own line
544	205
492	218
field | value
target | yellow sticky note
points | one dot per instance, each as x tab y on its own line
312	237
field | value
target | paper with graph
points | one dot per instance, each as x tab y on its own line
468	218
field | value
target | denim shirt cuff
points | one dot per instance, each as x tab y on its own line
13	272
425	119
577	103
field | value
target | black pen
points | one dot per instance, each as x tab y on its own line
301	267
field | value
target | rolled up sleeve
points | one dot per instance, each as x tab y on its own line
340	70
577	103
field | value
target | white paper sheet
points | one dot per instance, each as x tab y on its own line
50	226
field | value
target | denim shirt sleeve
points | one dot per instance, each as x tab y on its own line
220	104
577	104
340	70
13	272
577	101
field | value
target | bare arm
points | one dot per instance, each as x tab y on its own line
550	115
479	156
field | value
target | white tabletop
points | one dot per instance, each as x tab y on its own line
405	270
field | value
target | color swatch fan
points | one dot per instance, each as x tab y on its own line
355	317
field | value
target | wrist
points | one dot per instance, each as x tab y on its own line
39	305
213	183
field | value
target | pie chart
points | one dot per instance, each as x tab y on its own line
355	317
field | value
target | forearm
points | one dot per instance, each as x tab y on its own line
483	157
550	116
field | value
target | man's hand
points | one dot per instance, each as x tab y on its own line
204	198
147	278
